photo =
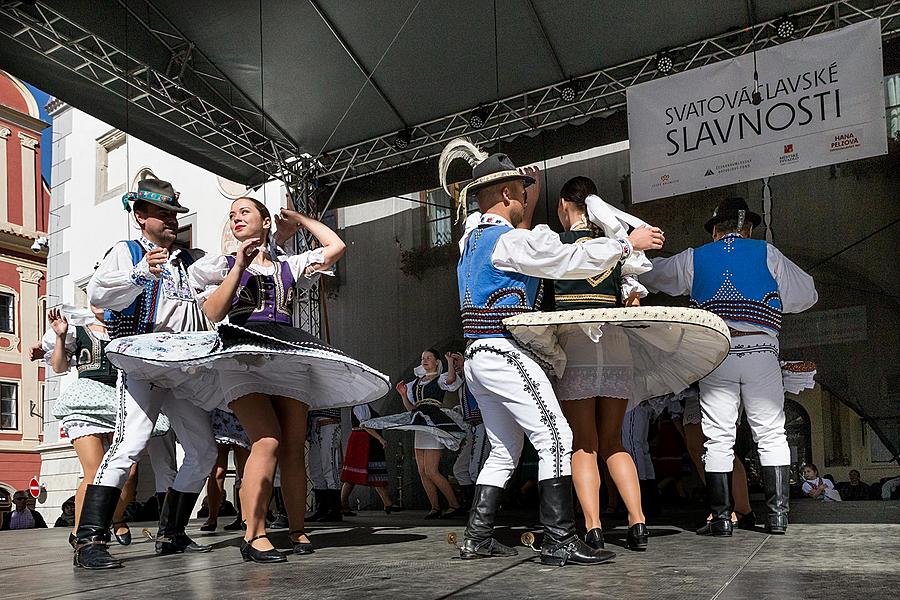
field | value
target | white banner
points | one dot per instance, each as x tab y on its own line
822	102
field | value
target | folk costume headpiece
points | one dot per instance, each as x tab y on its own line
155	191
733	209
487	170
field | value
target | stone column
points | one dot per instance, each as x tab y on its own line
29	280
4	213
29	182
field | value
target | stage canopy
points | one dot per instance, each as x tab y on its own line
250	89
361	96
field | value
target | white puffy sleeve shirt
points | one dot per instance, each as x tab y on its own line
539	252
117	283
207	274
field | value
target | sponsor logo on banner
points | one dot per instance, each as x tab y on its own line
664	180
844	141
816	100
788	155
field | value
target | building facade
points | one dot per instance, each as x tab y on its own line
24	206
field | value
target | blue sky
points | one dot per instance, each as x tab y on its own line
47	137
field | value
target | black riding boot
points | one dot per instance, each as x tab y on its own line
561	545
333	512
281	519
92	536
479	541
718	490
321	506
778	491
173	519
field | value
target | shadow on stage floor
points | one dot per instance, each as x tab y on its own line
844	550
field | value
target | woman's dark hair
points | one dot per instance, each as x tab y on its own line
578	189
812	466
434	353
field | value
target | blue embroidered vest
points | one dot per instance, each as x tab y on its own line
488	295
732	280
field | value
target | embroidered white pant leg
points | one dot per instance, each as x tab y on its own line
325	456
193	430
635	431
481	448
516	399
161	449
750	375
463	459
138	406
762	394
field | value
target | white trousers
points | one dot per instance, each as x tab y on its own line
635	431
325	456
749	376
472	454
161	449
516	399
139	404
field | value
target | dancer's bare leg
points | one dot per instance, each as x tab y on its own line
610	413
292	415
581	415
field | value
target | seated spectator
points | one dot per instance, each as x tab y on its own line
67	518
890	489
854	489
22	517
817	487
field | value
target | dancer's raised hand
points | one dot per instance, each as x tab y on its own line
58	322
246	252
156	258
647	238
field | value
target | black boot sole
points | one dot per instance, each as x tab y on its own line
98	568
562	562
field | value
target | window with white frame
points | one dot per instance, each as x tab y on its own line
112	165
7	313
892	104
9	405
439	217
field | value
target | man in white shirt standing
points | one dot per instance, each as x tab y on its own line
749	283
143	287
499	275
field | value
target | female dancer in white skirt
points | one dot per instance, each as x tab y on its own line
597	384
268	372
87	409
436	427
609	354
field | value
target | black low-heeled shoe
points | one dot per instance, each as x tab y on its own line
392	509
452	513
747	521
638	535
251	554
209	526
125	538
235	525
594	538
301	547
435	514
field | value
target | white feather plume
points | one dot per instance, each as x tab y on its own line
458	148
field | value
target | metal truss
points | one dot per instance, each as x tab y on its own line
597	94
189	92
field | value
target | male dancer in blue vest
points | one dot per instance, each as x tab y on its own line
143	286
748	283
499	275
